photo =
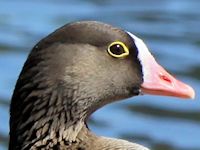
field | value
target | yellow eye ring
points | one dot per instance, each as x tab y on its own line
118	49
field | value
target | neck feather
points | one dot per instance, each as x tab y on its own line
45	116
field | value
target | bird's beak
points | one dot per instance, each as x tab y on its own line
158	81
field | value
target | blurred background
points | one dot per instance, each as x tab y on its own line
170	28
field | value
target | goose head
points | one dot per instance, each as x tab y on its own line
76	70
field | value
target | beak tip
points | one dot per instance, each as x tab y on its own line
192	93
189	93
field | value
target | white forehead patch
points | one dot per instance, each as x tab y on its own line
144	56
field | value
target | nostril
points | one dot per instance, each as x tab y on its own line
165	78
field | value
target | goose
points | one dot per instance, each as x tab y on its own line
74	71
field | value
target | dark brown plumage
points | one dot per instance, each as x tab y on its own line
67	76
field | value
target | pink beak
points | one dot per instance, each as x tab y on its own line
160	82
156	80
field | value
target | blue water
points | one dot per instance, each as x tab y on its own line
169	27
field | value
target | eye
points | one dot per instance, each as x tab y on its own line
118	49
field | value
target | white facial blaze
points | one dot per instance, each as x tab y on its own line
144	56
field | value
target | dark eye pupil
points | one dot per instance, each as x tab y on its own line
117	49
